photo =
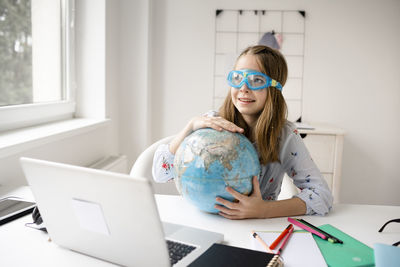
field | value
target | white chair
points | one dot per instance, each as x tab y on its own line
143	165
288	189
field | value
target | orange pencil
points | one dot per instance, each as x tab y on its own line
276	242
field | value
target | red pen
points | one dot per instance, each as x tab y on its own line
285	241
276	242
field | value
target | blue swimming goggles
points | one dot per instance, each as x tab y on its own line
255	80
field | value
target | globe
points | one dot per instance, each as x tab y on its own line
209	160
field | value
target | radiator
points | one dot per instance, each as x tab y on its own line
117	163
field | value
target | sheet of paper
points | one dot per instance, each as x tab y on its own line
300	250
90	216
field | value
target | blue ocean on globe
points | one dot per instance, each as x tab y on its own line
209	160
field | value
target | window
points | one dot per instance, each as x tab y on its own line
36	62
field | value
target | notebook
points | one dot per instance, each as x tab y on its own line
220	255
351	253
107	215
300	250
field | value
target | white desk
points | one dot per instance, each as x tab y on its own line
23	246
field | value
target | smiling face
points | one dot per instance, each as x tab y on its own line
248	102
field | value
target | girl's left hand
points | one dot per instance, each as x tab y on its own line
251	206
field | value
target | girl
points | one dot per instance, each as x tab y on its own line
256	108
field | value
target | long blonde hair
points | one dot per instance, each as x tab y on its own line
273	117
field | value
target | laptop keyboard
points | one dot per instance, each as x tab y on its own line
177	251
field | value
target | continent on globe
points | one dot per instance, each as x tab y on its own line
208	160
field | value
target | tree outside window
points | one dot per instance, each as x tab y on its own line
15	52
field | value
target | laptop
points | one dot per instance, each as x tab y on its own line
110	216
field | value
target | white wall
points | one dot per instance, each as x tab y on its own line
133	58
183	38
351	78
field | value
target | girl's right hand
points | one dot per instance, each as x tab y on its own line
217	123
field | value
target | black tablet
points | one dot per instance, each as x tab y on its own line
13	208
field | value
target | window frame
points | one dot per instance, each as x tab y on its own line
26	115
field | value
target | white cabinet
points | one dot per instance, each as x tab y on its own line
325	145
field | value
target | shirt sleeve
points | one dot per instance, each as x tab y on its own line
306	176
163	164
163	160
